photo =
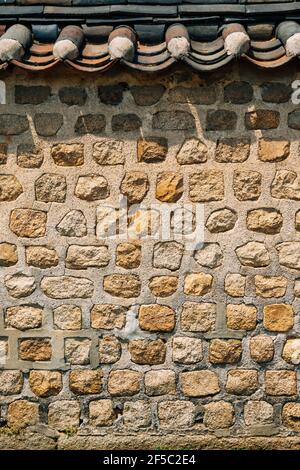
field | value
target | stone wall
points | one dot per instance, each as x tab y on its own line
112	338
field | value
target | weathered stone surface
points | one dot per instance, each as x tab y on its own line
45	383
257	413
35	349
291	415
3	153
169	187
109	350
10	188
135	186
221	220
262	119
111	94
19	285
29	156
83	257
85	382
280	382
223	351
73	224
168	255
24	317
261	348
176	414
36	94
90	124
235	285
145	351
11	382
265	220
92	188
68	154
286	185
246	185
77	351
253	254
22	413
293	119
13	124
173	121
221	120
28	223
297	221
152	149
276	92
218	415
231	150
126	122
198	317
128	255
109	152
242	382
51	188
122	285
41	256
147	95
197	283
270	286
291	351
67	287
192	151
209	255
194	95
289	254
207	185
270	150
241	317
64	415
187	350
124	382
238	92
67	317
72	96
278	317
48	124
160	382
137	414
155	317
107	316
101	413
3	351
8	254
199	383
163	286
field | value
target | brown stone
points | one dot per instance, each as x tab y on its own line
194	95
109	350
218	415
173	121
128	255
8	254
273	150
22	413
135	186
85	382
231	150
45	383
145	351
10	188
258	413
155	317
41	257
242	382
122	285
278	317
262	119
90	124
124	382
147	95
197	283
207	185
163	286
28	223
199	383
101	413
241	317
221	220
152	149
35	349
126	122
261	348
107	316
223	351
29	156
68	154
238	92
291	416
72	95
246	185
112	94
198	317
169	187
3	153
280	382
221	120
286	185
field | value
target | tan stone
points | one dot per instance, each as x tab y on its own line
241	317
101	413
124	382
84	257
266	220
218	415
22	413
77	350
91	188
278	317
207	185
41	257
197	283
297	221
8	254
67	317
152	149
155	317
163	286
223	351
73	224
19	285
24	317
28	223
176	414
160	382
291	351
280	382
246	185
109	350
221	220
135	186
231	150
289	254
128	255
107	316
192	151
35	349
242	382
168	255
198	317
122	285
286	185
137	414
67	287
273	150
187	350
235	285
270	286
51	187
169	187
68	154
11	382
199	383
63	415
10	188
109	152
258	413
145	351
85	382
291	416
45	383
261	348
253	254
210	255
